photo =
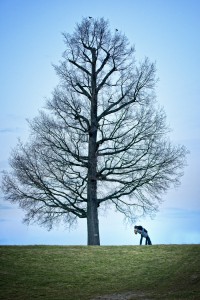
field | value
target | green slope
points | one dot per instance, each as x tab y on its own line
81	272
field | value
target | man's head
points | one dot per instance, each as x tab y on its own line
135	229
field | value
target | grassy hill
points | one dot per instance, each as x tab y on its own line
81	272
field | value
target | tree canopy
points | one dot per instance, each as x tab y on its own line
102	140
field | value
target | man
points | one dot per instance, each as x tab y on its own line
144	233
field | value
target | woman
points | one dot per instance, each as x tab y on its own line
144	233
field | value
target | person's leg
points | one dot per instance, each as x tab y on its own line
148	241
141	240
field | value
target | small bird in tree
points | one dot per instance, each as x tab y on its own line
116	29
90	17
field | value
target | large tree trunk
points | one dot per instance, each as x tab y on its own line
92	215
92	205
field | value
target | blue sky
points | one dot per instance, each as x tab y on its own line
165	31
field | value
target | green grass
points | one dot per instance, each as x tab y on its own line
81	272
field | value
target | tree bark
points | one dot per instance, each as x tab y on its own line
92	215
92	205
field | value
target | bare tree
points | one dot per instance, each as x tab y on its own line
101	141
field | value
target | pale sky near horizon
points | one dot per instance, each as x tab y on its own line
165	31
